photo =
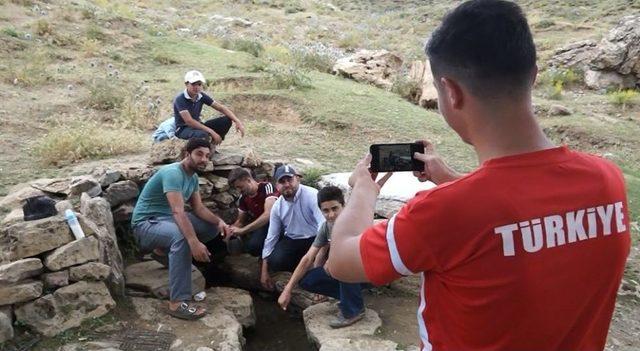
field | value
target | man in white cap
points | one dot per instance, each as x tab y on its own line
187	107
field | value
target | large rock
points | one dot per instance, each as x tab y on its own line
317	318
84	184
15	216
55	280
18	194
106	176
59	186
89	271
66	307
137	172
218	330
123	213
237	301
608	80
420	72
98	210
250	159
576	55
220	184
223	199
378	67
121	192
19	270
399	189
206	187
359	344
227	158
26	239
153	278
74	253
6	324
19	292
167	151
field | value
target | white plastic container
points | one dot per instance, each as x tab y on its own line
74	224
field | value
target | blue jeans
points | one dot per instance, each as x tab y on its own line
350	294
163	233
255	242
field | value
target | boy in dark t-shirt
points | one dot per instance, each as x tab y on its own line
255	207
187	107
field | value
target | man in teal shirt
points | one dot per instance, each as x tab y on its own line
161	224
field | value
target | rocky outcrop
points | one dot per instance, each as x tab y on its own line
167	151
613	63
26	290
66	307
121	192
27	239
73	253
420	72
378	67
6	324
19	270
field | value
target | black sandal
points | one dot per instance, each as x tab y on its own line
185	311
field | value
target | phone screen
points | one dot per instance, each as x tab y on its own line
395	157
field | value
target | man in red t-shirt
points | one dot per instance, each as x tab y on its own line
526	252
255	205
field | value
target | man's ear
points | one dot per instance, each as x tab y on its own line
453	92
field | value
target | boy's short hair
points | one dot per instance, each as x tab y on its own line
330	193
487	46
238	174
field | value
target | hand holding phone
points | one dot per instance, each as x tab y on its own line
396	157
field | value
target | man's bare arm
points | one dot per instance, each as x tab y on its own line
198	250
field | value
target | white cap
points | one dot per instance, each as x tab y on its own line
194	76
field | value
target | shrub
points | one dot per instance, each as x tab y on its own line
554	75
135	113
10	32
556	91
313	60
31	71
311	176
164	58
69	143
281	76
250	46
105	95
624	97
95	33
43	28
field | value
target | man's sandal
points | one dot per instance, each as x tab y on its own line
185	311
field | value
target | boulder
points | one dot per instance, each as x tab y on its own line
106	176
218	330
559	110
608	80
220	184
136	172
401	187
25	290
16	196
89	271
420	72
167	151
55	280
576	55
59	186
121	192
222	159
317	318
619	51
6	324
378	67
19	270
359	344
66	307
98	210
237	301
74	253
16	215
152	278
26	239
84	184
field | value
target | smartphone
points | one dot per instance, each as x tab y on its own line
395	157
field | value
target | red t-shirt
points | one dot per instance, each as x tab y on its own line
255	204
525	253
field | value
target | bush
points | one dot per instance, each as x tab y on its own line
10	32
252	47
69	143
624	98
95	33
137	114
43	28
311	176
105	95
313	60
554	75
281	76
164	58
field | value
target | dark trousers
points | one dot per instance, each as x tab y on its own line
288	253
220	125
350	294
255	241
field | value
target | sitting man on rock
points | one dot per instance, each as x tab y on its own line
161	224
187	107
316	279
256	202
294	221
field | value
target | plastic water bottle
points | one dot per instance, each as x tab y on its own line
74	224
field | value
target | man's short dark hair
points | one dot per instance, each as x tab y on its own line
195	143
487	46
330	193
238	174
